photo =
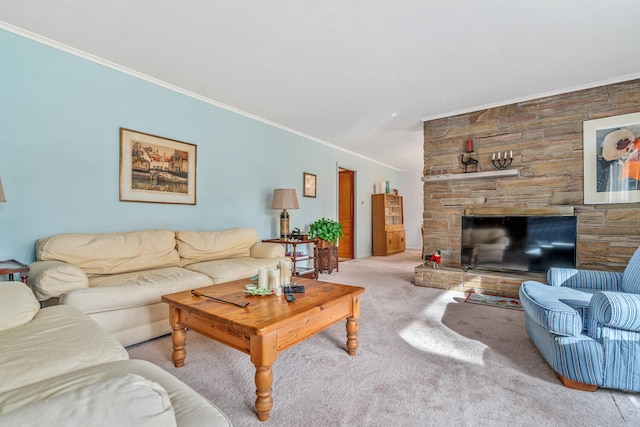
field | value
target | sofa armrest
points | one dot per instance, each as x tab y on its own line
589	279
616	310
266	250
50	279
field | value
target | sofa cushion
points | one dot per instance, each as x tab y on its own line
58	340
197	246
560	310
225	270
129	400
267	250
18	305
119	291
111	253
631	275
49	279
191	409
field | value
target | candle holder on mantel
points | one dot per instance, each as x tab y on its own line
502	164
470	161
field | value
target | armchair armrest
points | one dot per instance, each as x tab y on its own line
616	310
50	279
589	279
266	250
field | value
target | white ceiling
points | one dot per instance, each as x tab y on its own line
359	74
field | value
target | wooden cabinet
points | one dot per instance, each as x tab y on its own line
388	224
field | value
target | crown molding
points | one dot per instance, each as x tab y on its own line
96	59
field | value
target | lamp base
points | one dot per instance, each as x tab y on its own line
284	224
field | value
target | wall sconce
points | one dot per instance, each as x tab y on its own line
2	197
284	198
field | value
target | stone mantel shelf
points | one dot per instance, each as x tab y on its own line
471	175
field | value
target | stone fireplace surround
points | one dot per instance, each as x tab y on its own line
545	136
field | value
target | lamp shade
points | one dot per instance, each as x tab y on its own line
2	198
285	198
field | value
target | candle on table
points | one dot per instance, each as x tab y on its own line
274	279
470	146
263	278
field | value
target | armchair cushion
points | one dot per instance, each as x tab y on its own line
17	305
631	279
559	310
615	310
585	279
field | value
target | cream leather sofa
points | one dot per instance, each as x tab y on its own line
119	278
59	367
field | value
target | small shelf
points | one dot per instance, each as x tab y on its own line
471	175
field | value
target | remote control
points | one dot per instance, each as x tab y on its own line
297	289
288	295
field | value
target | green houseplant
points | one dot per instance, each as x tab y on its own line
326	229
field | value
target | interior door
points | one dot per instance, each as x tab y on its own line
345	212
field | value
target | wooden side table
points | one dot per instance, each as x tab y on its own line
11	266
326	259
295	259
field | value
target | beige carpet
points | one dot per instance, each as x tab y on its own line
426	358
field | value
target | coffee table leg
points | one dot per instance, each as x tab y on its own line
352	335
352	327
178	337
264	351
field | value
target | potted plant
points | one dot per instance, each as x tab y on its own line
326	230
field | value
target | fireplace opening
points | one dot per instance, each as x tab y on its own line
529	243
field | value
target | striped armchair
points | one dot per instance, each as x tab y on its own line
586	324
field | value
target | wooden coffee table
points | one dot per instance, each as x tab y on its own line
267	326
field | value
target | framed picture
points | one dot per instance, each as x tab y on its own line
309	185
612	159
154	169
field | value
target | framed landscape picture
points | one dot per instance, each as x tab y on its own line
154	169
612	159
309	185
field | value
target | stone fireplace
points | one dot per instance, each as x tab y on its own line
545	136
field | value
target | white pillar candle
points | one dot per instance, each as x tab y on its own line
263	278
287	277
282	266
511	154
498	155
505	155
274	280
285	272
494	156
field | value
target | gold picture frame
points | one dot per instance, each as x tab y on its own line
154	169
308	185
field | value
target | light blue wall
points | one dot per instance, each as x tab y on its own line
60	116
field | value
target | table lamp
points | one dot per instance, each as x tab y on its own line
284	198
2	198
